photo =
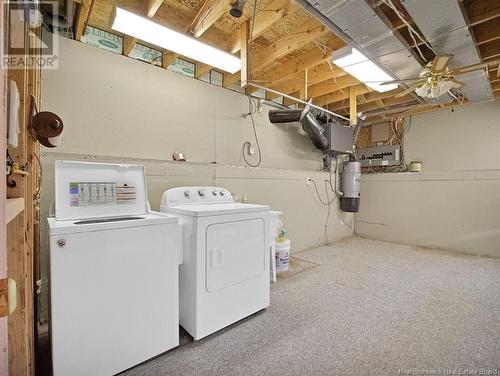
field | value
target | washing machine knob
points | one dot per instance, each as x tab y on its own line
187	194
201	192
222	193
214	192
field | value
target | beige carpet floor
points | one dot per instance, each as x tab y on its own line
360	307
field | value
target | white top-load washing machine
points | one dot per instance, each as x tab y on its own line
224	276
113	271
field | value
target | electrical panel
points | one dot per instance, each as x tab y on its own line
387	155
340	138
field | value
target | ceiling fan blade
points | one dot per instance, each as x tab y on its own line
401	81
475	67
409	90
457	84
440	63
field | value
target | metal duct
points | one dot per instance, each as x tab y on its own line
360	27
443	24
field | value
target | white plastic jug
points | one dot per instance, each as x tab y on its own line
282	255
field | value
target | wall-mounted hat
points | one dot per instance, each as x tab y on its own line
47	127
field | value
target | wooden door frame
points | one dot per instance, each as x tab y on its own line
4	355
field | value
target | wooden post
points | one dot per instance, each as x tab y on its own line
244	31
4	364
353	105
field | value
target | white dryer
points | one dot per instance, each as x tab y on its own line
224	276
113	271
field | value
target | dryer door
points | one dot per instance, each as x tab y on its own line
235	252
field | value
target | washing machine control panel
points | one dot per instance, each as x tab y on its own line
196	195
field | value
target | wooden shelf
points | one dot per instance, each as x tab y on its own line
13	207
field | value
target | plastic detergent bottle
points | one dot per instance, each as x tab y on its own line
282	251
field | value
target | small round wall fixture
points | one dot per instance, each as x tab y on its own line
178	156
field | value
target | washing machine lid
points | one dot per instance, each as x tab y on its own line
204	210
86	190
57	227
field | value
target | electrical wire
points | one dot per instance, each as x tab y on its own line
411	30
329	185
252	109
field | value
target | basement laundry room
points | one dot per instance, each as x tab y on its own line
250	187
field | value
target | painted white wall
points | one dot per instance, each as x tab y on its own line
118	109
454	203
466	139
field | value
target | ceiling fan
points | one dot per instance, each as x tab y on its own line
436	79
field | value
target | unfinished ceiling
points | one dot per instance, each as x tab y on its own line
291	50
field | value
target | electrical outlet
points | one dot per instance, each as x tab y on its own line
251	148
309	181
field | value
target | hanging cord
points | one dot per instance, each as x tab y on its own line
329	185
252	109
411	30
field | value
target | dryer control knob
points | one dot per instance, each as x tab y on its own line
222	193
187	193
201	192
214	192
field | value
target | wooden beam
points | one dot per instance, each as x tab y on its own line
207	15
263	21
152	7
495	86
332	85
128	45
168	59
339	95
369	98
83	17
296	39
482	10
352	105
490	49
487	31
387	103
294	65
244	36
315	75
201	69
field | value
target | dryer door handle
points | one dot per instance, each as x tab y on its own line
215	258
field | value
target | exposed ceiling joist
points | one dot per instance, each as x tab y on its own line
152	7
368	98
82	19
490	49
487	31
263	21
332	85
299	63
340	95
482	10
316	75
207	15
308	32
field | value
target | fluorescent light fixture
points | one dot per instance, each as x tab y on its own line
161	36
362	68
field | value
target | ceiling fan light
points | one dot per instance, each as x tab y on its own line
362	68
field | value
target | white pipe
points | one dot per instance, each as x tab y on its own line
337	165
296	99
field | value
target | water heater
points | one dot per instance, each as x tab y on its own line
350	186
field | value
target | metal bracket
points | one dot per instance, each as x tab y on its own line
8	296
